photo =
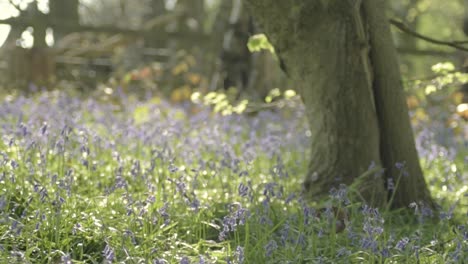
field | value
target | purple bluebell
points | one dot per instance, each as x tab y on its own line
66	259
108	253
401	244
270	247
201	260
243	190
239	255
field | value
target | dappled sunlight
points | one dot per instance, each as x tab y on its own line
233	132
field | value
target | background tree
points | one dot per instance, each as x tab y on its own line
64	15
29	65
341	57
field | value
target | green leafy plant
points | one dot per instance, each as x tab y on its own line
260	42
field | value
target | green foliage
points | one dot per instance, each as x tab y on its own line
260	42
85	193
443	67
226	103
446	80
274	93
220	102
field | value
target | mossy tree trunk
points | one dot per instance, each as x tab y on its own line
340	55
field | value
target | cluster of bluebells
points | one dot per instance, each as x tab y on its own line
439	146
126	181
372	227
237	217
61	147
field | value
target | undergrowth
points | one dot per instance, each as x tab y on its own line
83	181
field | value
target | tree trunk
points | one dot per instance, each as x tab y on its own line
397	140
341	57
63	12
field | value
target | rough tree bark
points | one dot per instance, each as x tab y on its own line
341	56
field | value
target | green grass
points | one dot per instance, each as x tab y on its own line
96	187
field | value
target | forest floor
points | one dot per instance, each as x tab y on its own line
84	180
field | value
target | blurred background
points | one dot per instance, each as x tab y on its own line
157	46
173	48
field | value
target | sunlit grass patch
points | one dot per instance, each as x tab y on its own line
82	182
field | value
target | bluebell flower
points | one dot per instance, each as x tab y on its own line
238	216
164	213
44	128
269	189
284	234
3	203
239	255
340	194
184	260
66	259
14	164
108	253
401	245
401	166
270	247
290	198
160	261
426	211
16	227
195	204
135	170
309	214
172	168
385	252
243	190
369	243
371	230
243	173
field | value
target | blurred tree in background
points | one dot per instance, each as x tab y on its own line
125	43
